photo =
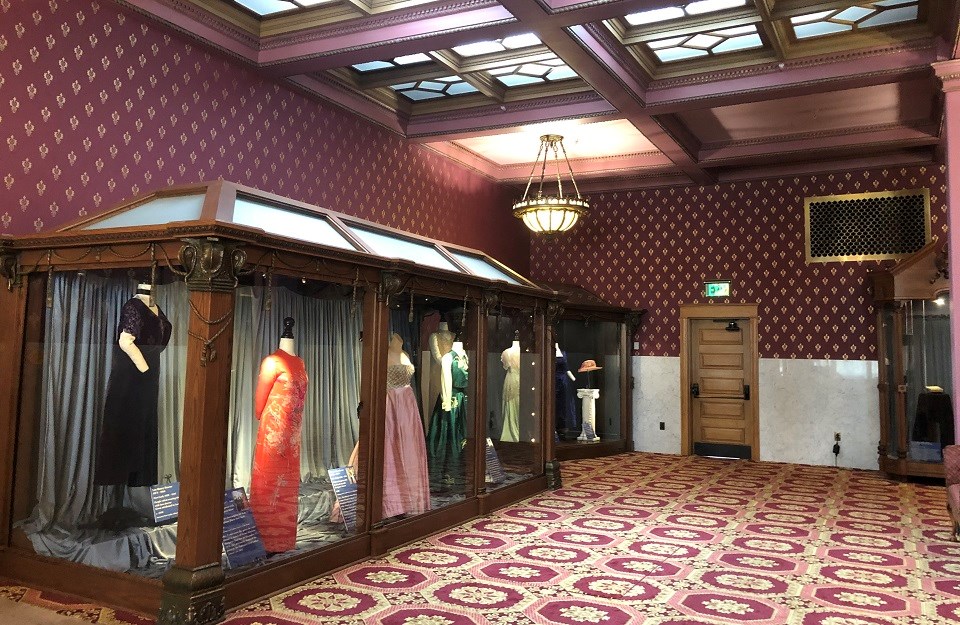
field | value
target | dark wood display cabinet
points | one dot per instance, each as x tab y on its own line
590	329
913	323
380	318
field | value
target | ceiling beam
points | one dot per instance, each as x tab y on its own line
495	119
771	81
824	144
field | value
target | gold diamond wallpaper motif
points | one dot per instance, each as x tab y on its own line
98	106
655	248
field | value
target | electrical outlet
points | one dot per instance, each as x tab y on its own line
636	346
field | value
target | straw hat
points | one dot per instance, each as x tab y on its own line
588	365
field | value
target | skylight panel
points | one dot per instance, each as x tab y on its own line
410	59
520	41
268	7
400	61
848	19
672	13
548	70
711	42
514	42
433	89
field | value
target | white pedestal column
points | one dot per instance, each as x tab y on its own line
589	397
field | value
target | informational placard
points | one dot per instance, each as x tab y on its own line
165	501
495	473
717	288
345	489
241	540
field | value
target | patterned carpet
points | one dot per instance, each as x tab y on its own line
661	540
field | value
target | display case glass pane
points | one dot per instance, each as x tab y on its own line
292	446
153	212
588	379
102	407
483	267
288	223
888	315
514	420
394	246
429	436
928	378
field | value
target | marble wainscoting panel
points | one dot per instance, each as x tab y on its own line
804	402
656	398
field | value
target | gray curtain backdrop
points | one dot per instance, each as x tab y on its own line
77	357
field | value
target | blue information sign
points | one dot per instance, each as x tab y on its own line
241	540
495	473
165	501
345	488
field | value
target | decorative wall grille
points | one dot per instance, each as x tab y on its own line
866	226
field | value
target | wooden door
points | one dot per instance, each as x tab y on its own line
722	391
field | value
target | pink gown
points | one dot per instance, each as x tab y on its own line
275	485
406	483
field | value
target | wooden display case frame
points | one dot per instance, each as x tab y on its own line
210	252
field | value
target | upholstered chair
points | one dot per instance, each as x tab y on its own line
951	472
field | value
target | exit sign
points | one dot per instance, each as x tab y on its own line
717	288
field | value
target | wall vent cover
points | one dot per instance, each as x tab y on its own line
866	226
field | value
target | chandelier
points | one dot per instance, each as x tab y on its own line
550	214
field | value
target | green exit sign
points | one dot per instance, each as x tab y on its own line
717	288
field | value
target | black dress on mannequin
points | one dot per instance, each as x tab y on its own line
127	453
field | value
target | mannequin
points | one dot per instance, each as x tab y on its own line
440	343
127	451
448	429
406	485
565	407
510	359
589	397
278	405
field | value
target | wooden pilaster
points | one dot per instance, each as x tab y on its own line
193	589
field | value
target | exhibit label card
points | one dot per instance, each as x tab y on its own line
241	540
345	488
165	500
495	473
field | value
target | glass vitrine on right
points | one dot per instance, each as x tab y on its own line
915	372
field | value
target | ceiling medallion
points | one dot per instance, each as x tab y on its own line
550	214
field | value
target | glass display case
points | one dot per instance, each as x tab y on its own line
213	393
913	324
593	380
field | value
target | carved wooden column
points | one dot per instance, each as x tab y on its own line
949	74
193	589
13	298
552	465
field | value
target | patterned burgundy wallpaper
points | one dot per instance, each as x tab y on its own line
654	248
97	106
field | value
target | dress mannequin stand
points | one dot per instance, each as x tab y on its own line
440	344
510	359
275	483
448	429
128	441
589	397
565	406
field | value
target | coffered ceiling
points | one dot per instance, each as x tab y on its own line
646	92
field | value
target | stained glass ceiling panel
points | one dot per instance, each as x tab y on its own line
548	70
706	43
400	61
268	7
514	42
853	18
677	12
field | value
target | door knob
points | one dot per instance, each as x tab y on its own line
746	391
695	390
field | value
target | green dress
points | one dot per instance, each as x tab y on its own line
447	434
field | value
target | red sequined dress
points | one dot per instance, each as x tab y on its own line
275	484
